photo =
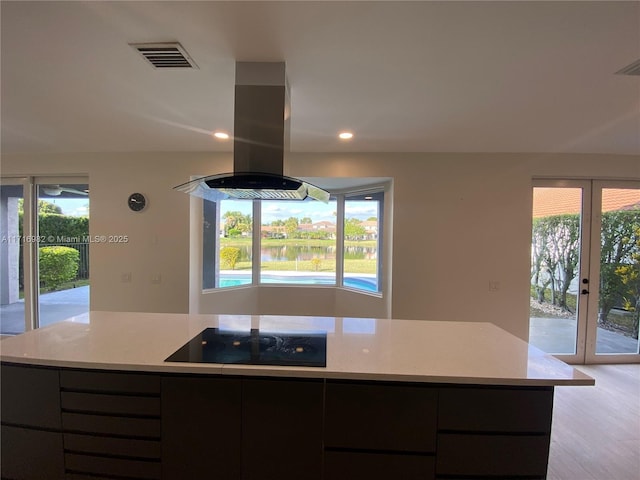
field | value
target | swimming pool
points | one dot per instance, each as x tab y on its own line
369	284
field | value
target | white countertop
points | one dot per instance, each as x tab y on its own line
357	348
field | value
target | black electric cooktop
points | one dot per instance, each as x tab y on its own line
213	345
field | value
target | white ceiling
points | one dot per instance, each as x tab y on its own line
521	76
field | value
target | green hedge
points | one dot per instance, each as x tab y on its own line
56	225
58	265
62	225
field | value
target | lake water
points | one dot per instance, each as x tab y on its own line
301	253
298	252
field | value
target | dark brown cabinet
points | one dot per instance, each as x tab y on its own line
111	424
282	429
241	428
29	454
496	409
74	423
494	432
486	455
201	428
344	465
381	417
380	431
31	440
30	396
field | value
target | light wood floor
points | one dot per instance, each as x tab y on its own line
596	430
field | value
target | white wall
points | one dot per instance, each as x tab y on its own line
459	221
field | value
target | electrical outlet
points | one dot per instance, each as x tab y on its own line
494	285
125	277
156	279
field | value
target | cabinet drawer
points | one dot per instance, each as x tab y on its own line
122	447
478	454
110	404
100	424
496	410
30	396
122	383
31	454
381	417
373	466
94	466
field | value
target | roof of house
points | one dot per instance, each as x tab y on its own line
556	201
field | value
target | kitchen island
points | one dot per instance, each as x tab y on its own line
95	398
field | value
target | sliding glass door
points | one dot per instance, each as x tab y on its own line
63	249
44	251
13	249
585	270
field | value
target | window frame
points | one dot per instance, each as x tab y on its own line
381	192
341	197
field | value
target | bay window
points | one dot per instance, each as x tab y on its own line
258	242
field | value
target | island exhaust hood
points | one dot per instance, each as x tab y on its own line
261	138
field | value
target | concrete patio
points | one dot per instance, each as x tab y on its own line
54	307
557	335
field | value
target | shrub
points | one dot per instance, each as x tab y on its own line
229	256
58	265
56	225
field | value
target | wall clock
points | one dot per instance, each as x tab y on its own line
137	202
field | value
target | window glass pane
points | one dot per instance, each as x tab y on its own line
619	301
235	227
555	268
298	242
362	241
11	252
63	251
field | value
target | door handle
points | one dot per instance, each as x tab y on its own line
584	291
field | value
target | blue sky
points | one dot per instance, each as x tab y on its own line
317	211
76	207
272	210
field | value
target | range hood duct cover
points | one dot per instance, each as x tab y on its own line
261	139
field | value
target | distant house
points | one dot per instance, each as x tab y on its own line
273	231
324	225
329	228
371	229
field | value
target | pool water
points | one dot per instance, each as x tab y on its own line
360	283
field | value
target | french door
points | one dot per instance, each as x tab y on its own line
44	251
585	270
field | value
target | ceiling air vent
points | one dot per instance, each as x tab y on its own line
165	55
632	69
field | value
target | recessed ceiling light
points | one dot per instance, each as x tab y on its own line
345	135
221	135
368	197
